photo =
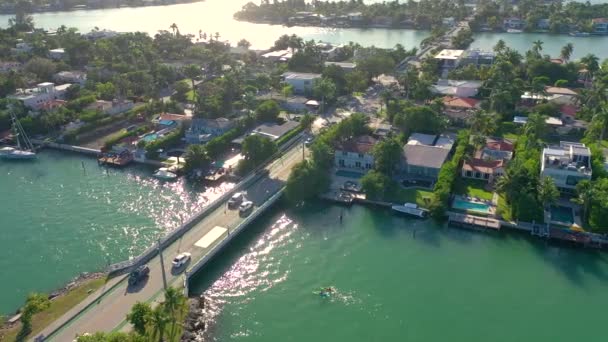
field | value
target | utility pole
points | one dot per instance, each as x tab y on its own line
162	264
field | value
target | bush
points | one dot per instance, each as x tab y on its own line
167	141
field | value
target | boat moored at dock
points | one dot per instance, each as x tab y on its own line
411	209
16	154
164	174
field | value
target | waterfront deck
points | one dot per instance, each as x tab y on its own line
472	222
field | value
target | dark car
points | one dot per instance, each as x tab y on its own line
138	274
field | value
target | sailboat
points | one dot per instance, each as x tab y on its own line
20	152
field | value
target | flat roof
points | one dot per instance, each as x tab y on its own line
449	54
301	75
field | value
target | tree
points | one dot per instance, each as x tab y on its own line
356	81
138	316
105	91
306	181
35	302
175	29
536	126
158	322
244	43
43	68
387	154
591	63
22	21
547	191
181	91
375	185
500	46
537	46
196	157
306	122
483	123
268	111
193	71
287	91
584	197
325	89
566	52
256	149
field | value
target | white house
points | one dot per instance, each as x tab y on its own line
456	88
203	130
514	23
57	54
35	98
112	107
22	47
78	77
449	58
600	25
356	153
567	164
302	83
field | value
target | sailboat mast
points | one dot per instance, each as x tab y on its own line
20	132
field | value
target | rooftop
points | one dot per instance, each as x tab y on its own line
560	91
570	156
449	54
361	144
460	102
301	76
273	130
428	150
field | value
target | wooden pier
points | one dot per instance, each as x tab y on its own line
473	222
116	159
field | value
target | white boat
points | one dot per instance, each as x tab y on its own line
13	153
411	209
19	152
164	174
514	31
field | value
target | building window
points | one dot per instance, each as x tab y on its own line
360	155
368	166
341	163
469	174
486	176
358	164
344	153
477	174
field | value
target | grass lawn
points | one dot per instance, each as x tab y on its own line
504	209
472	187
412	195
59	306
190	96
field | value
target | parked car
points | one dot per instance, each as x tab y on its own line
309	141
245	207
181	259
235	200
138	274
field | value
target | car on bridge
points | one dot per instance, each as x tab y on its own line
139	274
181	259
235	200
245	208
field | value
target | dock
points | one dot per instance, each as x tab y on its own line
114	159
473	222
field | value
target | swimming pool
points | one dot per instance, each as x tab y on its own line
150	137
348	174
471	206
562	214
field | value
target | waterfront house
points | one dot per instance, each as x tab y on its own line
203	130
567	164
456	88
76	77
489	161
278	56
346	66
355	153
302	83
477	57
100	34
328	50
57	54
112	107
424	155
355	17
600	25
35	98
449	58
459	109
273	130
543	24
514	23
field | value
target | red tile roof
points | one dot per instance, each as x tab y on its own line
173	117
499	145
484	166
460	102
362	144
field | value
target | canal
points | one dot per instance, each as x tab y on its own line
398	279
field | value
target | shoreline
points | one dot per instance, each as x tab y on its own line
122	6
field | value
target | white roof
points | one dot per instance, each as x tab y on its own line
421	139
549	120
449	54
300	76
60	50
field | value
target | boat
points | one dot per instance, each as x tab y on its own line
19	152
411	209
580	34
164	174
514	31
325	291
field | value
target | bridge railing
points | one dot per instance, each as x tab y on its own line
150	252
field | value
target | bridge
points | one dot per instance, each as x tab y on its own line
211	230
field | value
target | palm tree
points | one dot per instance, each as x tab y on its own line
192	71
483	123
158	320
217	36
601	117
386	97
547	191
584	190
500	46
591	63
204	36
566	52
537	46
535	126
175	29
324	89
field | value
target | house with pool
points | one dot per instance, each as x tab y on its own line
489	161
567	164
355	153
424	155
203	130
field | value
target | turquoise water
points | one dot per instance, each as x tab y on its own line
348	174
562	214
150	137
472	206
398	280
58	220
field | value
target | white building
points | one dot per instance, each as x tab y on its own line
356	153
22	47
78	77
302	83
449	58
57	54
567	164
112	107
36	98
